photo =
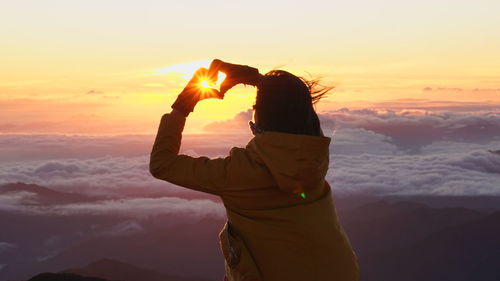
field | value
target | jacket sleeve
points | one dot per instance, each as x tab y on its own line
198	173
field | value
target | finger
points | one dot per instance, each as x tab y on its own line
213	70
214	93
198	75
210	94
222	66
201	72
225	67
226	85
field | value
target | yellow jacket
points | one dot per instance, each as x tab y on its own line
272	233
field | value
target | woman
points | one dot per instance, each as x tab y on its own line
282	224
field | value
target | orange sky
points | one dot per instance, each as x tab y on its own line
116	66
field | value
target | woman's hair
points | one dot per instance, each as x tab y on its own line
285	103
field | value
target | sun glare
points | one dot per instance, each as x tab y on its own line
205	84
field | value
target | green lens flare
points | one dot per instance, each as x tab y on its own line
303	195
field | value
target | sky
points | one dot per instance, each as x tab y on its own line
114	67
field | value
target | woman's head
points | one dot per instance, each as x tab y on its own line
285	103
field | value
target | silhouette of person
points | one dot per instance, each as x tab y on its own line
281	221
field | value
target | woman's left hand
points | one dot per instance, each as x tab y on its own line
198	88
235	74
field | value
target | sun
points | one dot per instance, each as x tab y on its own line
205	84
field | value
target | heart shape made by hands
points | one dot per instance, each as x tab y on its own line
231	75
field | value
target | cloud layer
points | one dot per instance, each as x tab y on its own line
129	208
414	129
5	246
373	151
466	173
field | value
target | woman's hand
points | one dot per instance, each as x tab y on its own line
195	90
235	74
198	88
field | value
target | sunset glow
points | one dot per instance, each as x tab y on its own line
125	67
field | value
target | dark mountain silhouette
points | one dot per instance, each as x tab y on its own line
466	252
116	270
64	277
497	152
469	251
45	196
184	249
486	203
378	227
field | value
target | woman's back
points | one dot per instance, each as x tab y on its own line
282	223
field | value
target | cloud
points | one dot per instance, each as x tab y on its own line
434	105
95	92
459	173
413	129
145	207
238	123
359	141
29	147
125	228
455	89
128	208
55	167
97	176
373	151
10	201
5	246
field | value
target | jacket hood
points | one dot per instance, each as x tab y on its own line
298	163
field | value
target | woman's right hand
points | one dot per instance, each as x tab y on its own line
194	92
235	74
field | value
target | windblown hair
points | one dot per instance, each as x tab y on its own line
285	103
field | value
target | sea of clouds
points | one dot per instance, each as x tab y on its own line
374	152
